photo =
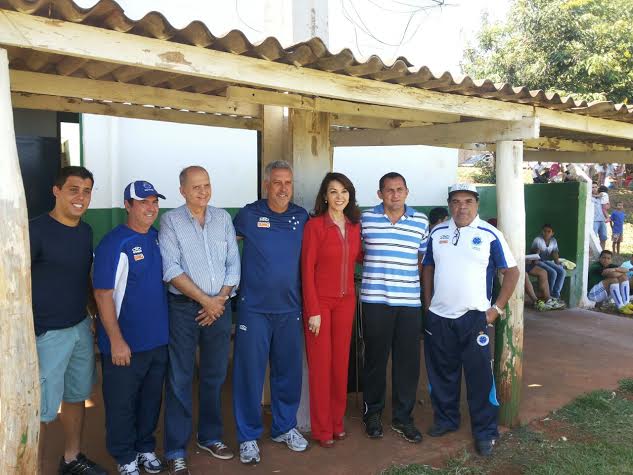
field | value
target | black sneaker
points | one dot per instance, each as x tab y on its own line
82	465
408	431
439	431
484	447
373	426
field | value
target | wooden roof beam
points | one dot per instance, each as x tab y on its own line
54	85
476	131
320	104
72	104
578	157
66	38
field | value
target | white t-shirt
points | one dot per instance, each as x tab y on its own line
466	260
545	250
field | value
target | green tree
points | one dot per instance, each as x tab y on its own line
582	48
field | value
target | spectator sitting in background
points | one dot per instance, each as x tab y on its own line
628	265
555	172
608	280
530	295
546	302
546	247
437	216
617	227
539	173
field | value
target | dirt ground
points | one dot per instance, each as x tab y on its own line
566	353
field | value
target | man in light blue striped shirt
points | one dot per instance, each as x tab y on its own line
202	266
394	237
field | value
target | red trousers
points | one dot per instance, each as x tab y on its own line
328	360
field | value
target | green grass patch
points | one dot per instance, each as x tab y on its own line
592	435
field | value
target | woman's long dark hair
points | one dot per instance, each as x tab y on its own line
351	211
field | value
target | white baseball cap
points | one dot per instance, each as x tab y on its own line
467	187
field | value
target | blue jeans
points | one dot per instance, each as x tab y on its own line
555	276
184	336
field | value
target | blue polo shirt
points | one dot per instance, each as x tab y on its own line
271	278
130	263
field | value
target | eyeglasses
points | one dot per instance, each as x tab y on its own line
456	237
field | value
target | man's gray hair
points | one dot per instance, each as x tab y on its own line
185	171
277	164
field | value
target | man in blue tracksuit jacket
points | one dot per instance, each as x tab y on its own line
269	326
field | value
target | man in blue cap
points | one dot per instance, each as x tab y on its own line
132	331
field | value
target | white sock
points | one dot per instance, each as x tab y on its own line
625	291
614	291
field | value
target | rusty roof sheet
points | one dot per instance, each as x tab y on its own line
309	54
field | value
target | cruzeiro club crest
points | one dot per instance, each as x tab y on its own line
476	241
483	339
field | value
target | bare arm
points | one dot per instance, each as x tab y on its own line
121	353
510	279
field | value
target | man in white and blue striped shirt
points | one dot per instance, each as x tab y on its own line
394	237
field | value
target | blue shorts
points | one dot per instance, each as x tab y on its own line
67	367
600	228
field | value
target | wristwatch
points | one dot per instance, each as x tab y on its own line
499	311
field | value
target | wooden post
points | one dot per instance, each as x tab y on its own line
509	330
19	376
312	159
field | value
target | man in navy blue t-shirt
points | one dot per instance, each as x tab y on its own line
269	315
61	258
132	331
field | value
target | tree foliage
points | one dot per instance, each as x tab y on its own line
582	48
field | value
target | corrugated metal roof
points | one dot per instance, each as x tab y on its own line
309	54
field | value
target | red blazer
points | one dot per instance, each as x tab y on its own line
327	261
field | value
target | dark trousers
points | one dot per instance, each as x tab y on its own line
185	335
449	345
132	397
260	338
396	330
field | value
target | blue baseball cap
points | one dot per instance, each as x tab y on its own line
139	190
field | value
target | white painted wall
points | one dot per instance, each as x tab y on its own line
119	151
429	171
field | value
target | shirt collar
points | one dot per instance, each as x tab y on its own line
475	223
327	219
408	210
207	213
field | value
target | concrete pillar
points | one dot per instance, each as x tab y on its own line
19	376
509	330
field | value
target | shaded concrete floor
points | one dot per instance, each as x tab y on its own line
566	353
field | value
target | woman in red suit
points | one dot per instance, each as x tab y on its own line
331	247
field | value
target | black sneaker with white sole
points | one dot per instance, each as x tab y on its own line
408	431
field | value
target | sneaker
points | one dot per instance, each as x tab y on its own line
81	465
129	468
373	426
218	450
150	462
408	431
561	302
484	447
293	439
439	431
541	306
249	452
553	303
625	310
178	467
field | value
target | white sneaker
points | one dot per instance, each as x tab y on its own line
293	439
249	452
150	462
129	468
